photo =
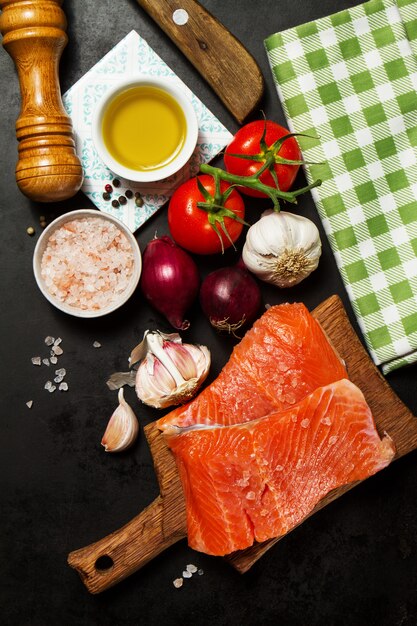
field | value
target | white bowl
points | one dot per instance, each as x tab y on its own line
152	175
40	249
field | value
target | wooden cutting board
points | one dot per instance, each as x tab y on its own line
220	58
162	523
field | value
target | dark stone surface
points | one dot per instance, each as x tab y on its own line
353	563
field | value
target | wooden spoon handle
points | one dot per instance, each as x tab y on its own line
108	561
34	35
219	57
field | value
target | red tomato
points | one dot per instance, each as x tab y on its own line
247	142
189	224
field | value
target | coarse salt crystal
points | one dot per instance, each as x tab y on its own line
186	574
88	263
63	387
200	572
96	344
191	568
54	360
58	379
61	372
305	423
57	341
29	404
178	582
45	362
48	384
36	360
52	388
49	340
250	495
57	350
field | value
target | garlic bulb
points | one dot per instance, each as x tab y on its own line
171	372
282	248
122	428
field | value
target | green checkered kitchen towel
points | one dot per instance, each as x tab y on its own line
351	80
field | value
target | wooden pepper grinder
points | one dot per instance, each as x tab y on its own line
34	35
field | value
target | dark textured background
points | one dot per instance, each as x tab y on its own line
353	563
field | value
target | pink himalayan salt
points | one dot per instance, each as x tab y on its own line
87	263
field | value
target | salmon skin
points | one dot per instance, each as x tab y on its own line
258	480
280	360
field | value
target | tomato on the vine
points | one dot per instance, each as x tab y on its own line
202	230
257	139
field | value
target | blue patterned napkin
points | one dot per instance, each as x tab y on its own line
131	56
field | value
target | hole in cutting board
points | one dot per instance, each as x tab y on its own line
180	17
104	563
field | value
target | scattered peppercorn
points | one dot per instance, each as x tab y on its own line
116	182
108	188
122	200
115	203
139	201
129	193
138	194
30	231
106	195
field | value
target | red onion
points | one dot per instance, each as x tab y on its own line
169	280
230	298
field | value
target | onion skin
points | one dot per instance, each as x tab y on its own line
170	280
230	298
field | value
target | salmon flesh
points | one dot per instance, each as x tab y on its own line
278	429
257	480
281	359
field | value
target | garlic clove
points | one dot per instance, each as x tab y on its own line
122	429
172	372
140	351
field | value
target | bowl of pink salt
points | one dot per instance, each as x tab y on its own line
87	263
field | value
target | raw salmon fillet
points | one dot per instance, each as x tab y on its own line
280	360
254	481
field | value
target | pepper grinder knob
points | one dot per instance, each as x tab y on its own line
34	35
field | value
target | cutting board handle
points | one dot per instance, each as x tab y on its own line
108	561
220	58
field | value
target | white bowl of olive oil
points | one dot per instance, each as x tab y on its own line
145	128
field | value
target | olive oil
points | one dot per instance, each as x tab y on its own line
144	128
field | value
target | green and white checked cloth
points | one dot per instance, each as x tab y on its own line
351	80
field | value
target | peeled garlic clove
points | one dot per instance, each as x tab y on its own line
171	372
122	429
